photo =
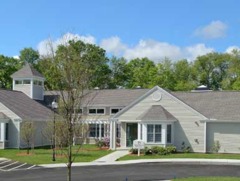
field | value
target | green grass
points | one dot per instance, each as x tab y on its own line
38	156
182	155
208	179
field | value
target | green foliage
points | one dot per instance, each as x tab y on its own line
8	66
159	150
29	55
216	147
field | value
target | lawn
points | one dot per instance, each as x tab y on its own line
87	153
182	155
208	179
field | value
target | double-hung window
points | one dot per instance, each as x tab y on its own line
154	133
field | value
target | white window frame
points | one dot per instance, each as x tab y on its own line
154	133
96	111
119	109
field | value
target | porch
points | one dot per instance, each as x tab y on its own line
3	130
154	127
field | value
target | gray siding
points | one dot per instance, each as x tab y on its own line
37	92
25	88
187	129
227	134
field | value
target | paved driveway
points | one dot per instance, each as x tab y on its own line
132	172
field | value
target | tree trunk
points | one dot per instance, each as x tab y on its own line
69	177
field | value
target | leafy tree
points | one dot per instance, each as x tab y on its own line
232	80
165	75
119	72
8	66
142	73
73	67
183	75
211	69
29	55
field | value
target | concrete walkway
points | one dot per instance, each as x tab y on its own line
113	156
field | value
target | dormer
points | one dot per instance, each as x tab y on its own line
29	81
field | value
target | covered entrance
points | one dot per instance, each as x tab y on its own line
3	130
132	133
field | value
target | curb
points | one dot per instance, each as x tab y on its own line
173	161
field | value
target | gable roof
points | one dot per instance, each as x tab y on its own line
23	106
220	105
157	113
27	71
105	97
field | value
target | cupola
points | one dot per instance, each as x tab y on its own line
29	81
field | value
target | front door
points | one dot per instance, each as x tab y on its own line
132	133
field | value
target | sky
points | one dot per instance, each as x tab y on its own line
156	29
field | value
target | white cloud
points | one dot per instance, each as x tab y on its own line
216	29
154	50
231	48
194	51
113	45
44	47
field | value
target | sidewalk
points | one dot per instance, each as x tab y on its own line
111	160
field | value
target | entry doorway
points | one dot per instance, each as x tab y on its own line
132	133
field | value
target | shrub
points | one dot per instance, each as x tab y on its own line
102	142
148	151
135	151
171	149
163	150
216	147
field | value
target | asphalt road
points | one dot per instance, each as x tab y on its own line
133	172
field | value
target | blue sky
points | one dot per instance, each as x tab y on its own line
129	28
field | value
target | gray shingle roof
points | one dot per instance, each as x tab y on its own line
23	106
107	97
27	71
156	113
220	105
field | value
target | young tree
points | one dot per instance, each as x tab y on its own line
27	133
73	70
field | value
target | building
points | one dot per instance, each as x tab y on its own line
157	117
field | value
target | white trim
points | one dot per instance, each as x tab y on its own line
205	138
149	93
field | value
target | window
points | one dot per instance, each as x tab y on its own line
18	81
154	133
92	111
96	111
6	131
26	81
100	111
115	110
169	133
96	130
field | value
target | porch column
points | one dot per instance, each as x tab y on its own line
164	132
112	134
3	129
